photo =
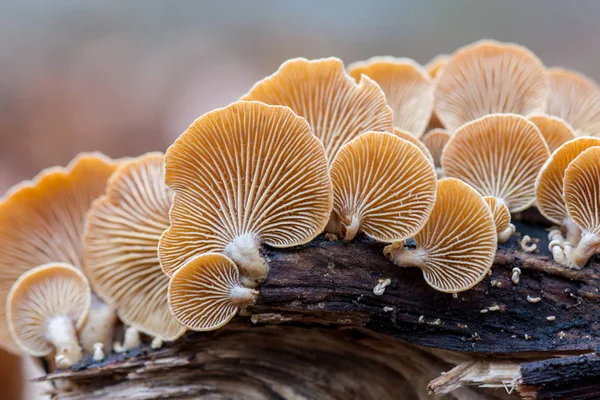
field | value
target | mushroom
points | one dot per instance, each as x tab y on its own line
500	155
120	244
555	130
407	87
383	186
490	77
336	107
433	68
206	292
575	98
504	228
435	140
45	308
549	194
243	175
413	140
582	199
41	221
456	247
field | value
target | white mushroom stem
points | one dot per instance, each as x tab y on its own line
99	326
130	341
405	257
527	245
98	354
556	235
506	234
62	334
585	249
243	296
156	343
558	253
573	232
352	229
244	251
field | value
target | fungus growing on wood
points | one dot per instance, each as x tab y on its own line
41	221
413	140
575	98
490	77
120	246
383	186
549	193
45	308
436	140
504	228
499	155
582	199
407	87
555	130
336	107
456	247
206	292
243	175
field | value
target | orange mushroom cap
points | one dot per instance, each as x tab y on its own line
407	87
120	246
383	186
41	221
555	130
549	182
499	155
243	175
206	292
456	247
504	228
336	107
575	98
413	140
490	77
435	141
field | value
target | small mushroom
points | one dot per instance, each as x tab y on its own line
575	98
407	87
337	108
549	192
555	130
436	140
206	292
500	155
243	175
582	199
121	237
504	228
413	140
383	186
489	77
456	247
41	221
46	307
131	340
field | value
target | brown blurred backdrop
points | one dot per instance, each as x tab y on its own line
126	77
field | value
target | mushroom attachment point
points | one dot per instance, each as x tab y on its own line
121	237
575	98
504	228
549	193
407	87
337	108
499	155
582	198
46	307
555	130
243	175
206	292
383	186
456	247
489	77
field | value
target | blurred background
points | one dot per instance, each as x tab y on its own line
128	77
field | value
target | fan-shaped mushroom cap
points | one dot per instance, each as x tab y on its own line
549	183
576	99
582	198
41	221
337	108
120	246
436	64
407	87
435	140
457	245
413	140
245	174
555	130
504	228
383	186
205	293
499	155
490	77
45	308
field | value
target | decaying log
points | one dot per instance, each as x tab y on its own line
318	331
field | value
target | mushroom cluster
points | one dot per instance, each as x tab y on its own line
430	160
